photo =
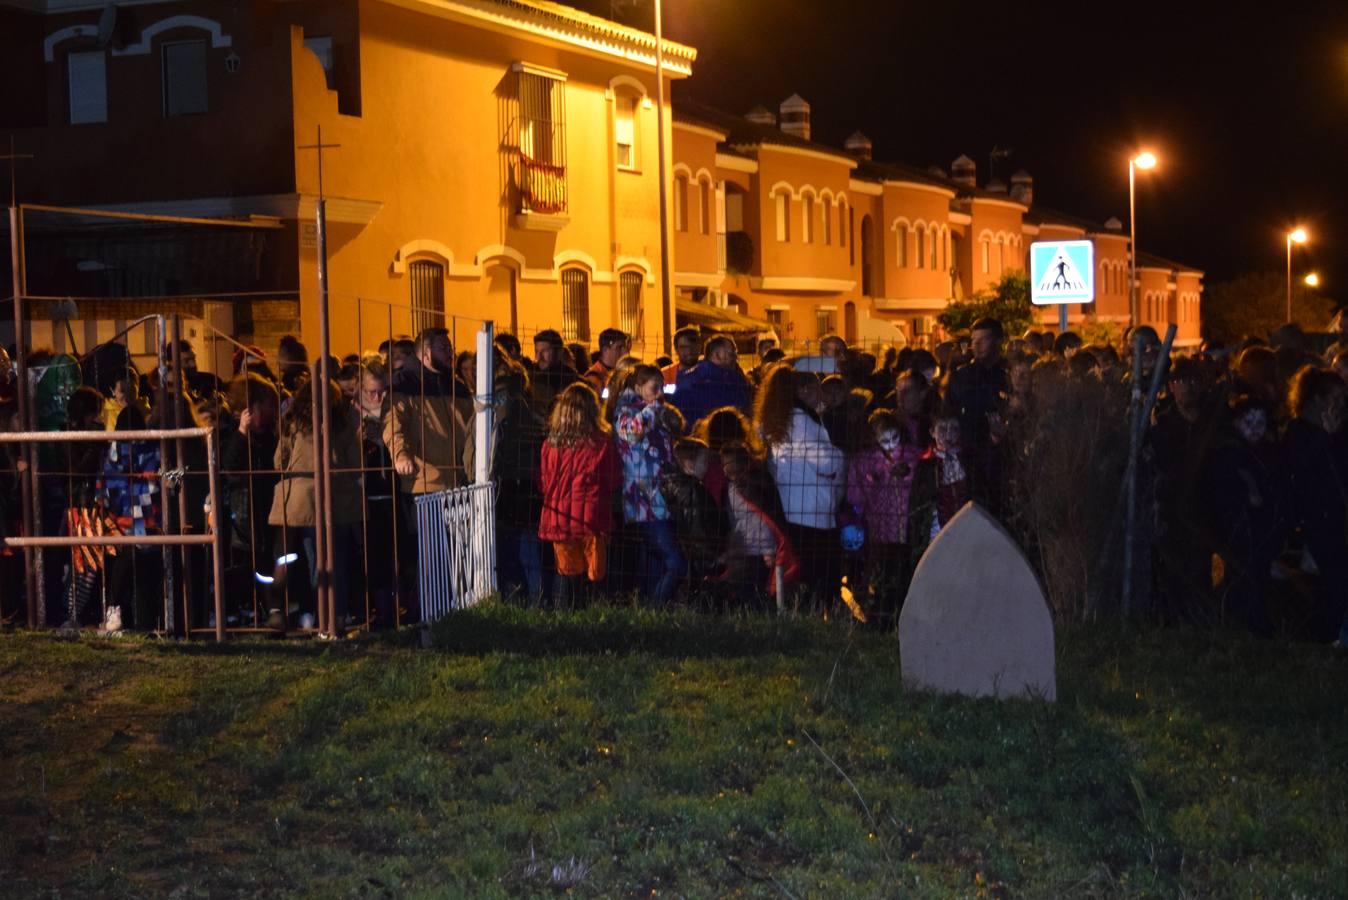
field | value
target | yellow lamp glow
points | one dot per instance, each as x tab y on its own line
1298	236
1146	160
1313	280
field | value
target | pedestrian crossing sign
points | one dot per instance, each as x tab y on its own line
1062	272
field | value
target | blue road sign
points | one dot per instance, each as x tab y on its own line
1062	272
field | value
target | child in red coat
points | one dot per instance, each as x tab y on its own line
579	475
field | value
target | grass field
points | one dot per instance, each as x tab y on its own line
624	753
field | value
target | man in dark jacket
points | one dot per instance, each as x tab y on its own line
976	395
1181	441
715	382
551	373
698	522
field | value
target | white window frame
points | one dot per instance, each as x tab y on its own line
784	218
88	98
625	106
164	50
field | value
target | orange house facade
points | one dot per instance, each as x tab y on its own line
482	160
776	230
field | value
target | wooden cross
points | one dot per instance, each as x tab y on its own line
320	147
13	160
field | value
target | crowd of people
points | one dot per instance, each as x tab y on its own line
817	479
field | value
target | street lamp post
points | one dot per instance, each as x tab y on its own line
1144	160
1295	236
666	298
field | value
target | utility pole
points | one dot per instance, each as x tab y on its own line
31	559
666	299
323	541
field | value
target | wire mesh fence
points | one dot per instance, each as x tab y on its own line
729	477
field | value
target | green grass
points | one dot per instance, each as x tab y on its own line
665	755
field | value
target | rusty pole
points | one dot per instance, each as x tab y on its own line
179	402
217	533
29	498
319	396
324	438
170	590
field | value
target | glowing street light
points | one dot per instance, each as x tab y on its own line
1312	280
1144	160
1295	236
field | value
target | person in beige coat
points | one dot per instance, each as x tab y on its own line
293	513
426	427
425	430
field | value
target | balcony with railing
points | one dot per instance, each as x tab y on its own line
537	140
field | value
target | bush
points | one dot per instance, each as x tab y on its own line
1071	457
1008	302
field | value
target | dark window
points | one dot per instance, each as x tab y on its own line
428	295
575	305
629	303
185	78
88	87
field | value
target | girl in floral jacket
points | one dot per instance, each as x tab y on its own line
646	447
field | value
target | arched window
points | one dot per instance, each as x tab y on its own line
843	213
629	303
704	206
427	281
807	218
625	130
783	217
680	202
867	252
827	214
985	248
935	236
901	246
575	305
851	230
921	247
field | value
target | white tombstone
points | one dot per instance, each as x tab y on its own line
976	621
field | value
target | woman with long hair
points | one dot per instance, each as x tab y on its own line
809	470
293	513
579	474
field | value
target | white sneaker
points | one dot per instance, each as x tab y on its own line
112	621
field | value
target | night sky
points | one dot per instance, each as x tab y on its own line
1245	104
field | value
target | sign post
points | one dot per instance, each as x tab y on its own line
1062	273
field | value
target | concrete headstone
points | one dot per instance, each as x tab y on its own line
976	621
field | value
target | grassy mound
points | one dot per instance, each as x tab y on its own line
615	752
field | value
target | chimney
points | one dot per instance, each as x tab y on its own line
795	116
1022	188
964	171
761	115
858	145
